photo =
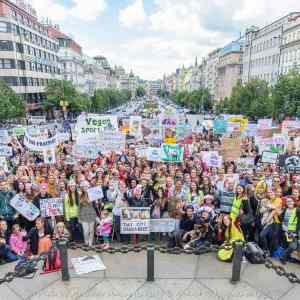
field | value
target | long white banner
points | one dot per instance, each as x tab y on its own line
36	144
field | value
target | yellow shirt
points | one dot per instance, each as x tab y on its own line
277	202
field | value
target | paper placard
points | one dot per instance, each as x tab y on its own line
95	193
26	209
87	264
269	157
6	151
51	207
162	225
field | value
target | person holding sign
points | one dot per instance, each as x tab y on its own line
87	213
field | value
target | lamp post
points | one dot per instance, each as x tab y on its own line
64	106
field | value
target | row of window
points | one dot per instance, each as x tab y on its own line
291	55
28	35
29	66
291	37
265	61
270	77
21	48
24	81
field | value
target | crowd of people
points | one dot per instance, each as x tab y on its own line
209	204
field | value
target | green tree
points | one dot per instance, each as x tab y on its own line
63	90
11	105
286	96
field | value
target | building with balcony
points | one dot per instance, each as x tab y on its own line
290	47
262	50
28	54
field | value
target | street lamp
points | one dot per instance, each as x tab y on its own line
64	106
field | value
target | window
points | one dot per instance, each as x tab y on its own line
19	48
23	81
6	46
21	65
4	27
7	64
10	80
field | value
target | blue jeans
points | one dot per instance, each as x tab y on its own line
7	254
269	237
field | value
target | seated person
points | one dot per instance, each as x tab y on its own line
16	242
6	252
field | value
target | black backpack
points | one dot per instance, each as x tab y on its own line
254	254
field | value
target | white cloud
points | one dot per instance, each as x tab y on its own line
133	15
86	10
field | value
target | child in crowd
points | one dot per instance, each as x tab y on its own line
6	254
16	242
61	232
104	228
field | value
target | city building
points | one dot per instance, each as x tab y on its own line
262	51
211	72
229	69
70	57
290	47
153	87
28	55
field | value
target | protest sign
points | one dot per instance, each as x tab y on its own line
168	128
153	154
264	124
231	148
245	163
289	125
4	136
220	126
243	122
172	152
37	119
291	163
111	141
5	151
25	208
51	207
212	158
294	132
19	131
89	151
269	157
135	220
49	156
184	134
151	131
95	193
251	130
3	164
88	126
135	127
38	144
231	177
162	225
87	264
233	127
269	132
63	134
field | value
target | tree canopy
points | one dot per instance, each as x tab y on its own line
11	105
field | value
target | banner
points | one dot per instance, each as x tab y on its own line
135	220
95	193
4	137
291	163
172	152
25	208
245	163
88	151
153	154
162	225
63	134
6	151
231	148
269	157
51	207
49	156
90	125
135	127
212	158
36	144
220	126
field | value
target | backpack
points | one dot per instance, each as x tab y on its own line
25	267
254	254
225	252
52	261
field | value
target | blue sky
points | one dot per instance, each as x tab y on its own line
153	37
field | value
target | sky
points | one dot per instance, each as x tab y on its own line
154	37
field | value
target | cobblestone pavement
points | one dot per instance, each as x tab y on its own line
182	277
